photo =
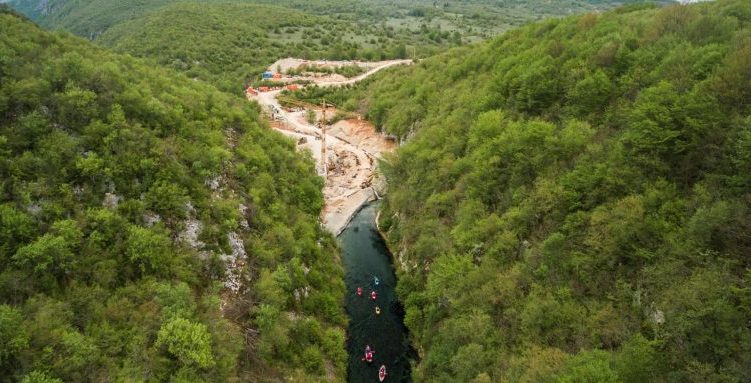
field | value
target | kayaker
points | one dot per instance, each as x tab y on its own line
368	354
382	373
373	295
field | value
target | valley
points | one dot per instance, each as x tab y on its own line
359	190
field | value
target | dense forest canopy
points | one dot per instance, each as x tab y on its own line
571	202
153	228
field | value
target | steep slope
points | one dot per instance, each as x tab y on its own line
86	18
572	200
152	228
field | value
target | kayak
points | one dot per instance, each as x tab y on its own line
368	354
359	291
382	373
378	310
376	281
373	295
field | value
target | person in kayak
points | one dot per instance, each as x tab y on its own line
373	295
368	354
359	291
382	373
378	310
376	281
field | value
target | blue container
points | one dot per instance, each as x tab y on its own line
267	75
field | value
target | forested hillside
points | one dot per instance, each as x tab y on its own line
572	200
471	18
226	42
153	228
86	18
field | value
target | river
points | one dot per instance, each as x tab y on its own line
366	256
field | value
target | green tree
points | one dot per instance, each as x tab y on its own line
39	377
310	116
167	199
655	136
53	252
176	300
187	341
13	335
150	251
16	228
589	367
591	93
639	360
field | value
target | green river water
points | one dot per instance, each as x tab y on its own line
365	256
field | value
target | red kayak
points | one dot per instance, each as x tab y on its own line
382	373
373	295
368	354
359	291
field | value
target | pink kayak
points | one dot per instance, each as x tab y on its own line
382	373
368	354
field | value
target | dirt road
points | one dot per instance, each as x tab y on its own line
352	150
383	65
331	79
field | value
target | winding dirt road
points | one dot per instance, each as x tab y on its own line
352	150
381	65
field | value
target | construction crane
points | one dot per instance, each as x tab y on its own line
324	159
321	124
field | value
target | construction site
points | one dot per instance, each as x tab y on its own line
346	152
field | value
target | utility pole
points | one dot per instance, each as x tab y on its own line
323	141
